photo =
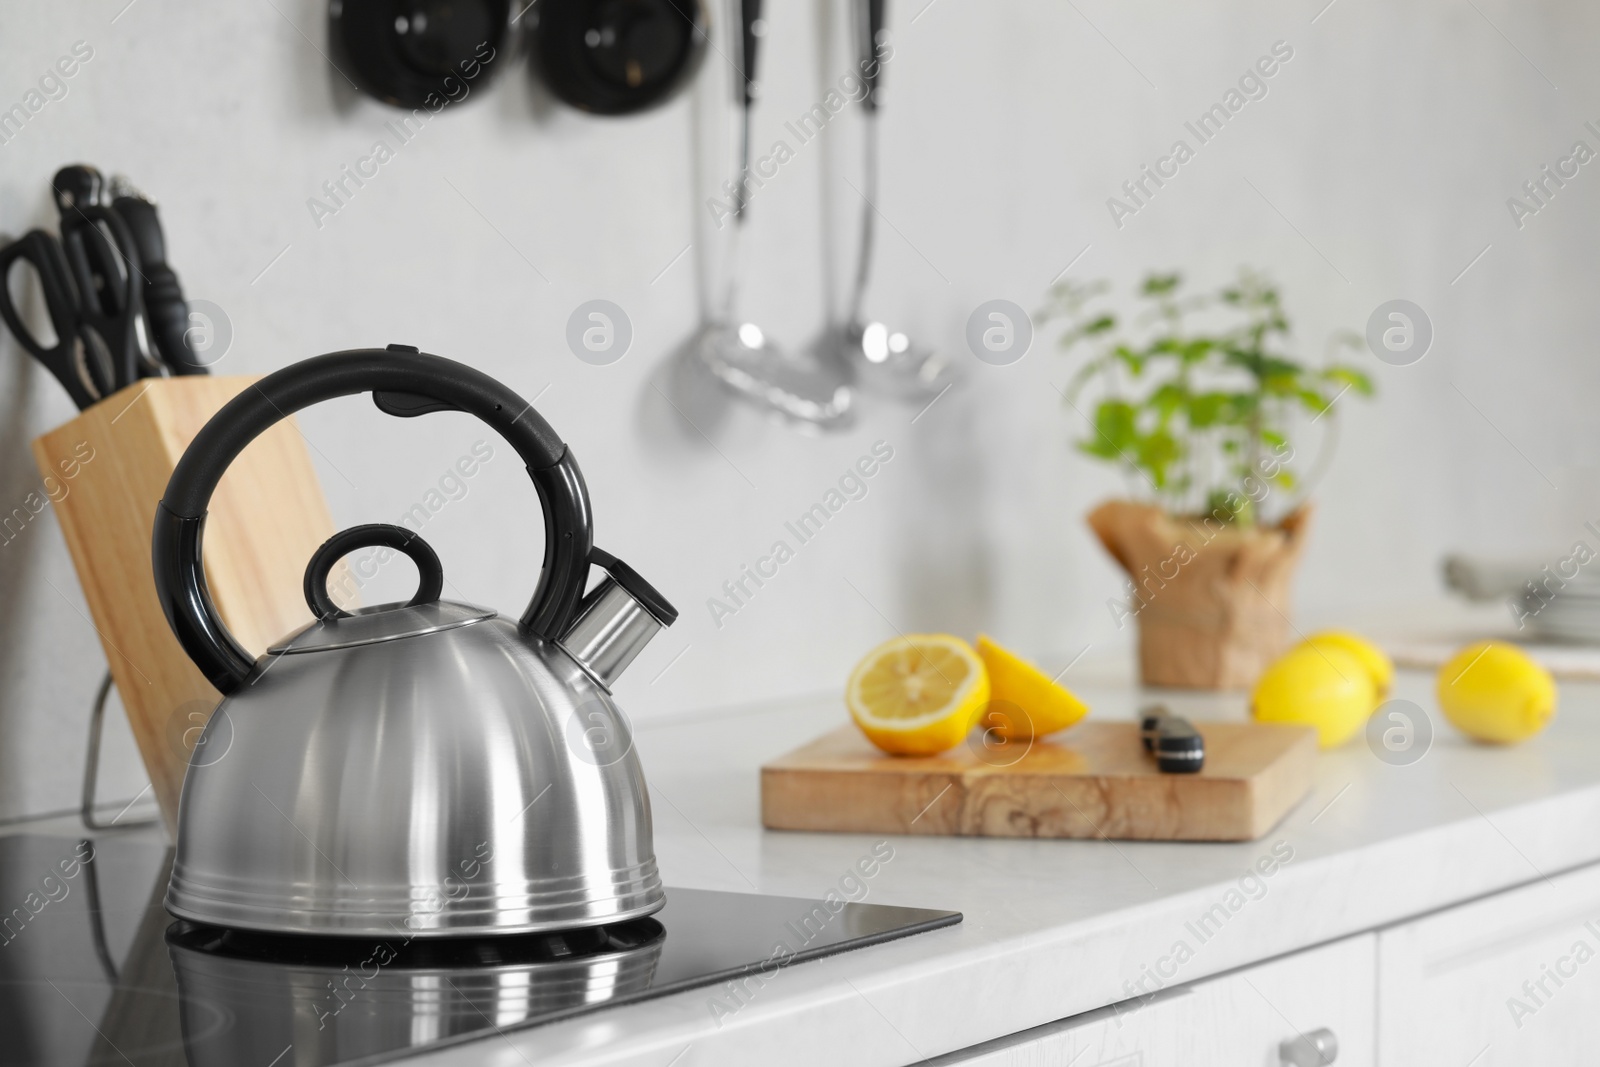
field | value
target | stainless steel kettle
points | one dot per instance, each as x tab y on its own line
428	768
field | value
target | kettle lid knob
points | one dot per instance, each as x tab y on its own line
371	535
336	628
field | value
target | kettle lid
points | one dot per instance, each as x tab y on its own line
334	627
386	622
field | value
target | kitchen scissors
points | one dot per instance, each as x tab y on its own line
73	359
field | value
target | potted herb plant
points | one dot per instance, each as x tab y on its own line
1194	398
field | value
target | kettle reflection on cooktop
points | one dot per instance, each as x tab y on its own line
100	974
355	997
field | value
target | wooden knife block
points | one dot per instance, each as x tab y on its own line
106	470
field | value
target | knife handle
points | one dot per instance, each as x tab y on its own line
1176	745
166	310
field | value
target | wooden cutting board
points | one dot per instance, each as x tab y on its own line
1092	781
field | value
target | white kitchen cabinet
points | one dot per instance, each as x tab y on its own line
1238	1019
1328	990
1162	1031
1504	981
1509	980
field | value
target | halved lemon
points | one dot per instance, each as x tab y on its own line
919	694
1027	702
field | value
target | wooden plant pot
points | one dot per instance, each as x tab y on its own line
1211	599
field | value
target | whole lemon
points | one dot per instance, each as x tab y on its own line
1376	661
1324	687
1494	692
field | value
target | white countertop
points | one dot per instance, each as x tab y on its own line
1054	928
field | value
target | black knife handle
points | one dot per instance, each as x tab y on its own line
77	185
165	308
1176	745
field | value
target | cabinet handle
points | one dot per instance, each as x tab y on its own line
1314	1049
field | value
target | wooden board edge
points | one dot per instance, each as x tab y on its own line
1285	784
785	793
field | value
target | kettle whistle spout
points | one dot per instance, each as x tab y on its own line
615	620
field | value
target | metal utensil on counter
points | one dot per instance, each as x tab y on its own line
432	766
880	359
1176	745
1557	599
801	387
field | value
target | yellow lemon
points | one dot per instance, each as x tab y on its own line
1024	702
1324	687
1494	692
919	694
1376	661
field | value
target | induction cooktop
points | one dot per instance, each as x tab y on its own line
94	971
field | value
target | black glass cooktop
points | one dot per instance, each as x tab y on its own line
93	971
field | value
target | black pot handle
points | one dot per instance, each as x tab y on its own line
403	382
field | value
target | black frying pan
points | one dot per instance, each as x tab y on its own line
616	57
420	53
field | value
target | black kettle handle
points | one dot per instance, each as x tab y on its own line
404	382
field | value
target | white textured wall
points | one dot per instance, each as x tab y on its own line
1381	160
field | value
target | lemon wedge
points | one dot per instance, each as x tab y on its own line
919	694
1023	702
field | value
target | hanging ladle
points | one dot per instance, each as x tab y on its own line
881	359
802	388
